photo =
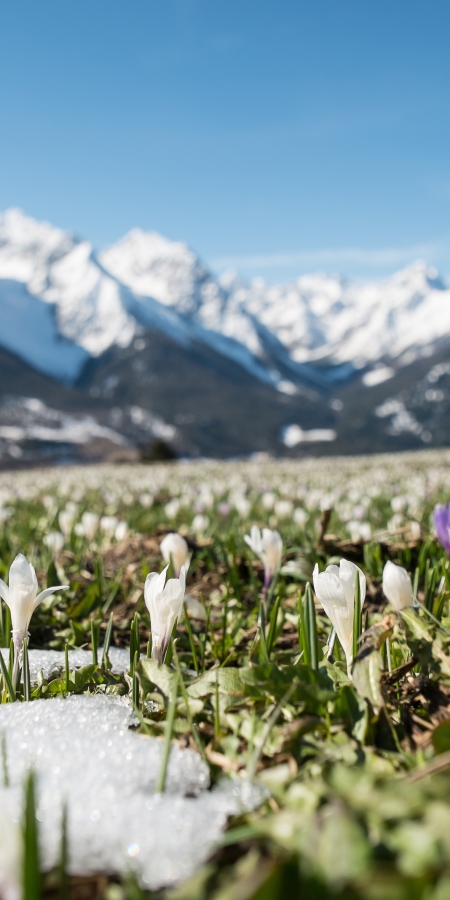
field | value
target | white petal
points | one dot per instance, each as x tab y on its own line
149	588
397	586
348	573
4	591
330	593
22	572
182	579
248	541
40	597
174	546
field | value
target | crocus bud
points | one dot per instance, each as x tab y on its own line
269	547
442	523
335	589
22	598
164	603
174	547
108	525
54	540
121	530
90	522
397	586
66	519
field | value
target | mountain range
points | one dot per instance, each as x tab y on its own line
103	353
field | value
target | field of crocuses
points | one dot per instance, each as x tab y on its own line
226	680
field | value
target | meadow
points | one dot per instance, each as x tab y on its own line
338	715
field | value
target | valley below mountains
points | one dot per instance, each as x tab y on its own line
140	350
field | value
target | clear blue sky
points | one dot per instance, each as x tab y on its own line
278	136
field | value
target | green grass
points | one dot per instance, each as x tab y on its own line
358	769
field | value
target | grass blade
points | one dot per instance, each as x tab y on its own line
30	872
191	640
26	672
168	736
7	679
94	643
263	654
259	744
192	726
311	626
271	637
107	643
357	617
66	668
303	632
63	892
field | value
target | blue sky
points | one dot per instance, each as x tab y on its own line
274	136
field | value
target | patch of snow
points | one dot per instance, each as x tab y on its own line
152	424
86	757
377	376
293	435
402	420
30	330
51	660
287	387
30	419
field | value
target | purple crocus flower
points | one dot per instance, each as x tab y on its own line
442	524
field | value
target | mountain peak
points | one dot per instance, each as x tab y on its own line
153	266
98	302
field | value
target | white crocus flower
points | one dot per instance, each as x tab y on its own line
66	519
200	523
108	525
397	586
174	547
90	522
22	598
164	602
269	547
121	530
54	540
335	589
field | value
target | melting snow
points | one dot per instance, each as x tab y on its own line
85	756
51	660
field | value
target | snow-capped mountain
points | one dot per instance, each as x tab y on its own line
77	305
315	319
144	333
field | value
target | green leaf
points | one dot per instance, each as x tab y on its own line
229	682
366	677
151	674
83	676
441	737
313	687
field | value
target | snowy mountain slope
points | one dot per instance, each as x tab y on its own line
91	308
320	319
145	335
29	329
61	271
170	273
315	320
314	331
